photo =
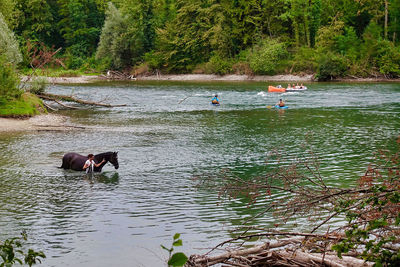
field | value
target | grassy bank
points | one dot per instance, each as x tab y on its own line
26	106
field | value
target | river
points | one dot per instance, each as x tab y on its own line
121	217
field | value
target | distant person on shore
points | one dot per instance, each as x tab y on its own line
280	103
215	100
90	164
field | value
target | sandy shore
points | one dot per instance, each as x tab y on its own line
208	78
213	77
70	80
47	122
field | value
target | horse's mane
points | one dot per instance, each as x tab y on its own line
105	154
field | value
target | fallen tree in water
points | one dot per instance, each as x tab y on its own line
366	231
58	98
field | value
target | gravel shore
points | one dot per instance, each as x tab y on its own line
46	122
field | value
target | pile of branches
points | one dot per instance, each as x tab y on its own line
370	214
283	252
117	75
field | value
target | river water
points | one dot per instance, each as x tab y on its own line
121	217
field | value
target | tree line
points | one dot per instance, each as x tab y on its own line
332	38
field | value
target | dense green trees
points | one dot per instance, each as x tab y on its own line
333	37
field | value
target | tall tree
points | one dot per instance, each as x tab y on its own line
315	17
9	48
113	45
141	28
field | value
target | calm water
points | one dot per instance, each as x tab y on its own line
120	218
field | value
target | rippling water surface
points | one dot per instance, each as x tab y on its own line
120	217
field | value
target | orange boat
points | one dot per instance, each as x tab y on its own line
276	89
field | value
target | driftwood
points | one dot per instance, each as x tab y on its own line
116	75
49	107
285	252
58	98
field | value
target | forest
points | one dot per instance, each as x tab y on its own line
328	38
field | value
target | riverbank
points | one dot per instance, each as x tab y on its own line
44	122
86	79
232	77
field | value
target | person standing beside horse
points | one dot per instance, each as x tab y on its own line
90	164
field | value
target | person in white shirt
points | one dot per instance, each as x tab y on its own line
90	164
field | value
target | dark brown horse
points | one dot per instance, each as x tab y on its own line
75	161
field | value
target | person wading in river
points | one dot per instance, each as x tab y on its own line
90	164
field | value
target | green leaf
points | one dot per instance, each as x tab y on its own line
178	259
176	236
177	243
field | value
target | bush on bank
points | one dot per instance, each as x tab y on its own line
26	105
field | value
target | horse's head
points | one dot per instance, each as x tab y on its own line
114	160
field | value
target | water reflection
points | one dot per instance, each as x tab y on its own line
105	178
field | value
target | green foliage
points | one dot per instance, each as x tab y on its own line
25	106
315	20
9	81
177	259
375	249
7	8
154	60
113	46
219	65
141	26
266	55
35	22
348	44
331	66
183	36
372	38
389	59
9	48
327	36
80	28
304	60
11	248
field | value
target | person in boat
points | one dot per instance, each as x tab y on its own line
215	100
279	86
90	164
301	86
288	86
280	103
293	86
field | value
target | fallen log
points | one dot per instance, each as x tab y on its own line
55	98
287	252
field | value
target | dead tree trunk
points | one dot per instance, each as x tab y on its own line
57	98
